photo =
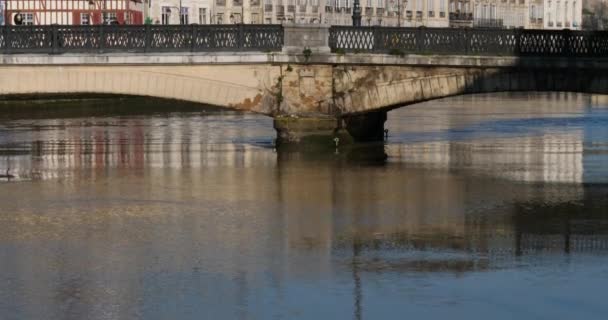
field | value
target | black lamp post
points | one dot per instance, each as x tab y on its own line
356	14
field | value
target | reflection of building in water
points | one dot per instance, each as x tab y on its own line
67	147
546	158
521	136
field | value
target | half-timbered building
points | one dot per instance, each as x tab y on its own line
72	12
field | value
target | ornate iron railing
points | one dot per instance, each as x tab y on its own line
513	42
140	38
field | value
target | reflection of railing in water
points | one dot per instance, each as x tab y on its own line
466	255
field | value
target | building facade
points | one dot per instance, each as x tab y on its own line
563	14
431	13
528	14
1	13
179	12
72	12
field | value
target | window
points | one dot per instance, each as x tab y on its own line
255	18
166	15
202	16
28	19
574	22
183	17
85	19
1	13
220	18
380	4
109	17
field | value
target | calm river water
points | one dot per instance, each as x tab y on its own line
486	207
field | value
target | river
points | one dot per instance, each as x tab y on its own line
486	206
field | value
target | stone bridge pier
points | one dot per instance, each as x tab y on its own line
348	95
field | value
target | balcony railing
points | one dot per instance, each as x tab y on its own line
461	16
488	23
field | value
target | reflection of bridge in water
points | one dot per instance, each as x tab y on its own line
424	210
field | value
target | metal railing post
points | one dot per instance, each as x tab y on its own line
419	39
102	39
567	36
466	39
54	39
377	43
518	36
240	40
7	39
147	38
192	38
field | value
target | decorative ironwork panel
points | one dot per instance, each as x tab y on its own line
543	42
28	39
396	40
351	39
262	37
78	38
435	40
513	42
597	44
2	39
170	38
124	38
216	37
489	41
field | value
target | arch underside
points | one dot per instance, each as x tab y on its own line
309	89
395	93
234	87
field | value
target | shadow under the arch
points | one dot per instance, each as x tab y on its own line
43	106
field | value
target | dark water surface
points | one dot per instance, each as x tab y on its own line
487	207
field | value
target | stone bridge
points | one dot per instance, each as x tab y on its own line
317	84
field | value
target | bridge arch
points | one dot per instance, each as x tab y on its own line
245	88
379	89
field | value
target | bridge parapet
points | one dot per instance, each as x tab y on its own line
467	41
294	38
57	39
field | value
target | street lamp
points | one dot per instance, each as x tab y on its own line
356	14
